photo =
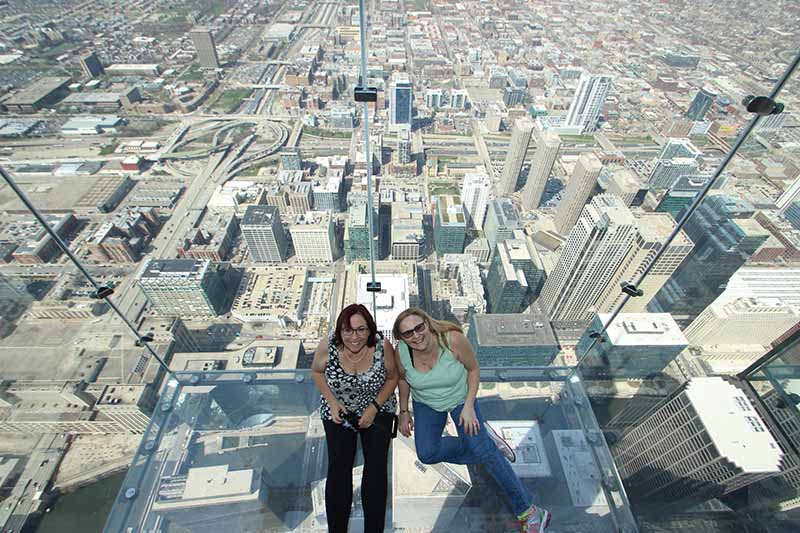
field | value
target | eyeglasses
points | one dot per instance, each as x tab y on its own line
360	331
419	328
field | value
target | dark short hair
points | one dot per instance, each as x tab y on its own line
344	320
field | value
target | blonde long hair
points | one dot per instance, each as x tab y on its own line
438	327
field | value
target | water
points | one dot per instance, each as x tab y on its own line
83	511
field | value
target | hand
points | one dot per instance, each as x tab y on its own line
405	424
368	417
469	421
337	410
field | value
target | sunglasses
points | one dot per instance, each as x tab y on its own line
419	328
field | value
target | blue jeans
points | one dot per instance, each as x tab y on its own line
465	449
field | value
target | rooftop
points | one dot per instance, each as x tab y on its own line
734	425
514	330
647	329
259	215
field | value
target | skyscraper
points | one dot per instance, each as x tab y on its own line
501	220
628	186
184	288
404	145
547	145
520	138
357	234
91	66
579	187
206	49
593	252
724	236
515	275
668	171
679	147
449	225
634	346
679	195
584	111
704	441
789	196
313	237
475	195
701	104
401	100
652	230
263	232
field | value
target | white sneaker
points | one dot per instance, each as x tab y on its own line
501	444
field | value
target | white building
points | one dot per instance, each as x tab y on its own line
579	187
652	231
520	138
313	238
547	145
391	301
626	184
475	196
702	443
584	111
594	250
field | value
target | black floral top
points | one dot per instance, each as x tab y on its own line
355	391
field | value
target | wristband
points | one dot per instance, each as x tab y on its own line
377	405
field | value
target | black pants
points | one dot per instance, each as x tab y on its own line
339	487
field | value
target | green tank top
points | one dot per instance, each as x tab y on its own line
442	388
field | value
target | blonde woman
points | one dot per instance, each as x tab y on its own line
438	366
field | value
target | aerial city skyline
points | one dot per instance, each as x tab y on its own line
206	162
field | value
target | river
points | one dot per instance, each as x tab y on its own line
84	510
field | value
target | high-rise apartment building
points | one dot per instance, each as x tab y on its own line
679	147
680	194
449	225
185	288
789	196
401	100
404	145
547	144
520	138
357	235
91	66
701	104
742	321
313	237
433	98
475	195
592	253
652	230
264	234
668	171
706	440
634	346
677	159
587	104
206	48
501	221
578	189
628	186
515	275
724	235
458	98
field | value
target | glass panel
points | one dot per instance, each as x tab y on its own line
251	457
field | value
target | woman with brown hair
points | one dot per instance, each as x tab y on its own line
357	382
439	367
